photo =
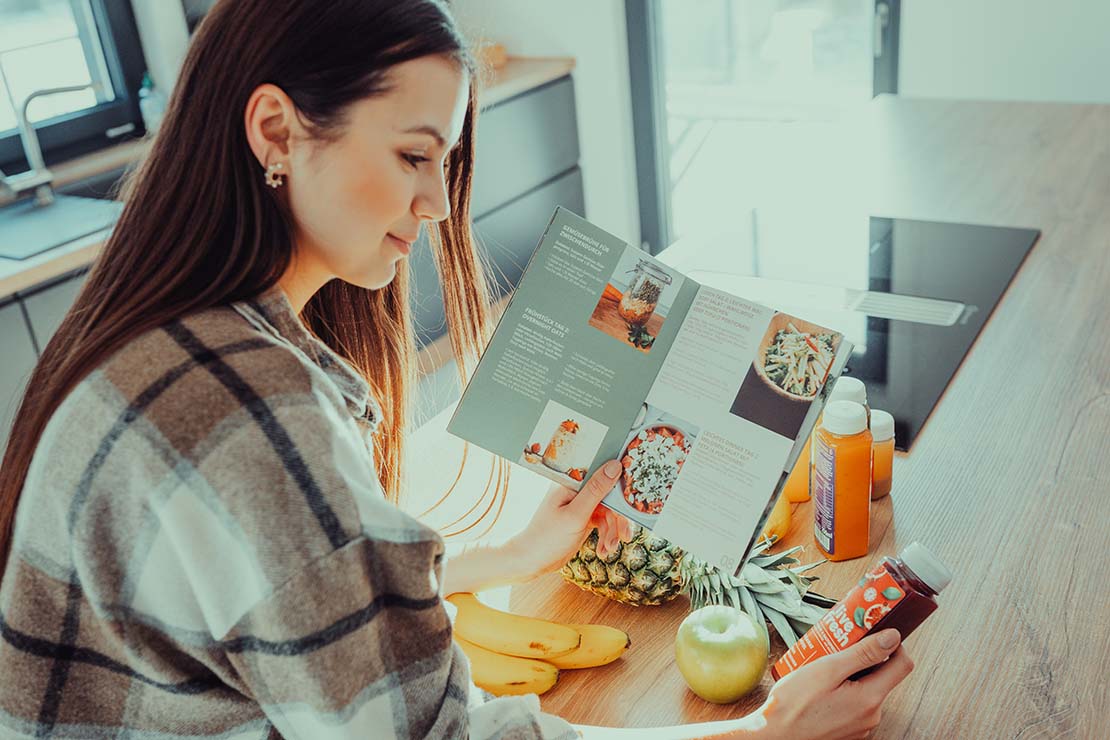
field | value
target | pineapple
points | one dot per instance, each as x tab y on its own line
645	571
649	570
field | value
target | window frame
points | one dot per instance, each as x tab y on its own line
87	130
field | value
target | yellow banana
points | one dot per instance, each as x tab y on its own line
600	645
511	634
504	675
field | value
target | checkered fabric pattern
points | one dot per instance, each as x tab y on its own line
202	550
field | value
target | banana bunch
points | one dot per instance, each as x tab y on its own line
512	654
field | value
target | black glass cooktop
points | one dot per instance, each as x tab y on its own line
912	299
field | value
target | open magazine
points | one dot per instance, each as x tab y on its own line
706	398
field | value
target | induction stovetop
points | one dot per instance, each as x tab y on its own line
912	299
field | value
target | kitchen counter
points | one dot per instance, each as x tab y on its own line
1007	482
519	75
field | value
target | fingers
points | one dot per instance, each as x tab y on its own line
608	532
889	675
869	651
626	527
599	484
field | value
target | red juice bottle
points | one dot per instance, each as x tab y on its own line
898	592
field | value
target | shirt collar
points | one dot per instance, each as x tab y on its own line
275	313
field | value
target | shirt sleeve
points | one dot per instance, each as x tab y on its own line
343	650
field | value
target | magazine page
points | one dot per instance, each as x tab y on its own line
724	421
572	358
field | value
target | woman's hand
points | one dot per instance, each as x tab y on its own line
554	533
611	529
818	702
564	519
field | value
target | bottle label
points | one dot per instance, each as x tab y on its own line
876	594
824	473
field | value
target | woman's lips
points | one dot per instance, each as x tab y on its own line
403	246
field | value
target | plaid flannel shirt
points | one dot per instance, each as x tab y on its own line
202	549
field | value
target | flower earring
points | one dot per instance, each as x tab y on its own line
275	178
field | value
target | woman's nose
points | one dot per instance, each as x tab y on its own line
433	203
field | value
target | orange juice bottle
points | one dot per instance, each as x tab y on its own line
842	481
845	388
882	441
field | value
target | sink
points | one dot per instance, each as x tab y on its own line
27	229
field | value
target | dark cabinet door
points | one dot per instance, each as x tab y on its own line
511	234
522	143
47	307
19	360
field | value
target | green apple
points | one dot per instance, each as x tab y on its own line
721	652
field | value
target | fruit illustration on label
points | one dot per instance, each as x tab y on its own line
873	614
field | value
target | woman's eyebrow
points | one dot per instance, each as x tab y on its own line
429	130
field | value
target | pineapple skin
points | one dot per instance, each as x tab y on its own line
646	571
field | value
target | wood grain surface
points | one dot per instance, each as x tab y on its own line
1009	482
607	319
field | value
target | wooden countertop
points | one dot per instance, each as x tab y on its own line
517	76
1008	483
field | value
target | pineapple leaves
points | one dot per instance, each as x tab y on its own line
782	626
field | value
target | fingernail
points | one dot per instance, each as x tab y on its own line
612	469
889	638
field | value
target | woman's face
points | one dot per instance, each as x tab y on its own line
358	201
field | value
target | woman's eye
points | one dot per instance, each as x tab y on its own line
414	159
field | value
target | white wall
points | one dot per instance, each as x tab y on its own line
594	34
164	36
1042	50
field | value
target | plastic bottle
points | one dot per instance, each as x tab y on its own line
152	104
798	484
848	388
882	441
842	481
897	593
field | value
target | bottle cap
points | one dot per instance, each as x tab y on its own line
882	425
926	566
847	388
844	417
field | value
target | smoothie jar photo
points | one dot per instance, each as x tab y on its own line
560	450
638	302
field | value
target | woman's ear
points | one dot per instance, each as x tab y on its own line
271	123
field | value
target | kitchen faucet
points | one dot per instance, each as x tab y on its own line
38	178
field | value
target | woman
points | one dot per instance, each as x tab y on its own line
196	506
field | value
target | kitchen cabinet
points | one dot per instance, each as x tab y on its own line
526	164
510	234
19	360
522	143
47	306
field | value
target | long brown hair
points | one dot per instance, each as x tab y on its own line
201	229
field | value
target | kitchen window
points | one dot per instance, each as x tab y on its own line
58	43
